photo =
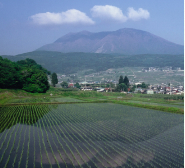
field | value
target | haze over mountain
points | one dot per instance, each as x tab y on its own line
126	41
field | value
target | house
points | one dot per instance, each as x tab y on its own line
100	89
182	92
138	90
108	89
86	88
167	88
138	83
71	85
149	91
161	91
83	83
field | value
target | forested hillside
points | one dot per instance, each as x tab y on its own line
67	63
25	74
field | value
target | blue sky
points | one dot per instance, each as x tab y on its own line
27	25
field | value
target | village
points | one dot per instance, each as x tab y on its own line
133	87
146	80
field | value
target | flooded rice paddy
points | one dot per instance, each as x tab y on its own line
90	135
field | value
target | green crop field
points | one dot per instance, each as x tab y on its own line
90	135
43	100
167	105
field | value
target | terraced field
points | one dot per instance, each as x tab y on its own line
90	135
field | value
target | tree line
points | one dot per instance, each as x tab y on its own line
123	85
24	74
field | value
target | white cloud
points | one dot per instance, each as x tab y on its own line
68	17
138	14
115	13
74	16
108	12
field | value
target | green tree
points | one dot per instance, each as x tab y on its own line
24	74
123	84
33	76
107	85
64	84
34	80
27	63
133	88
121	79
54	79
126	81
10	74
77	85
118	88
112	85
123	87
143	85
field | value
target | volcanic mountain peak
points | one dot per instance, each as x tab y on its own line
126	41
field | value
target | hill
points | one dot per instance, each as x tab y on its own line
25	74
67	63
126	41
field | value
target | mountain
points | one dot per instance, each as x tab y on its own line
68	63
125	41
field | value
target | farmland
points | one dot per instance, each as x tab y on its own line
89	135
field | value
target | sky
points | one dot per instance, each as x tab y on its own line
27	25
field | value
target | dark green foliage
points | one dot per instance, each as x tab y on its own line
121	79
31	63
64	84
124	87
143	85
25	74
10	74
54	79
35	81
77	85
132	89
121	87
34	77
123	84
27	63
126	81
68	63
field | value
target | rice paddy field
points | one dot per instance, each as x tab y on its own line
90	135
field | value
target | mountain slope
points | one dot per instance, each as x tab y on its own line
67	63
125	41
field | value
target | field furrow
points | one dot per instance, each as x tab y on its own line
86	135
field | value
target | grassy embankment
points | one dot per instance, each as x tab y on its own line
157	102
